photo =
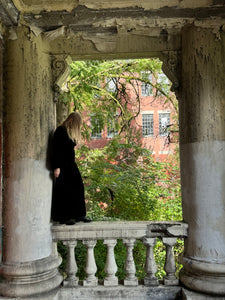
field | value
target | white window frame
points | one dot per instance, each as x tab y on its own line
95	135
146	88
151	122
164	131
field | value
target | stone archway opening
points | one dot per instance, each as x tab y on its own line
99	189
96	88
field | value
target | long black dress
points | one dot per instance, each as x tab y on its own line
68	194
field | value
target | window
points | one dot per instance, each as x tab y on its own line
164	122
96	131
163	83
146	88
112	127
147	125
111	85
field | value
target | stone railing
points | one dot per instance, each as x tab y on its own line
129	232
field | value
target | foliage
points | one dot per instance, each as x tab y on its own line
102	88
122	179
127	187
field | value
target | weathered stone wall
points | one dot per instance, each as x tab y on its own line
203	67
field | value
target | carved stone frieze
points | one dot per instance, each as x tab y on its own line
60	73
172	68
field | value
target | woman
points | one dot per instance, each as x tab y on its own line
68	204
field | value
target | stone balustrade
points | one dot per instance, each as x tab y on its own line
129	232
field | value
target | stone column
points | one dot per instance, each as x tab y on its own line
202	152
28	267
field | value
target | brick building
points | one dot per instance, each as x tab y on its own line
155	119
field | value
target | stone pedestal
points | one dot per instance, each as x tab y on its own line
31	278
202	152
28	266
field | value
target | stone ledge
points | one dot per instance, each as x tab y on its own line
119	230
120	292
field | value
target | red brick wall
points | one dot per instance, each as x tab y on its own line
159	145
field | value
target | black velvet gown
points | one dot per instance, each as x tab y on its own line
68	192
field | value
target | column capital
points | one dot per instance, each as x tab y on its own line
172	68
169	241
70	244
110	242
129	242
60	73
149	241
89	243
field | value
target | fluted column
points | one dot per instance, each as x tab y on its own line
150	265
28	266
91	268
130	268
202	153
110	266
71	265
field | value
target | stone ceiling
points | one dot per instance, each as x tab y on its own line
50	14
36	6
66	24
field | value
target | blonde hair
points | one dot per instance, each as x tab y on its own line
73	126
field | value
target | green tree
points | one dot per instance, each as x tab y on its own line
122	179
125	187
102	89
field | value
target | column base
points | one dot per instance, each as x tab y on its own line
111	281
203	277
30	278
151	281
91	282
130	282
168	281
71	282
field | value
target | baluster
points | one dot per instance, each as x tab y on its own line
130	268
150	265
170	266
71	265
90	269
110	266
